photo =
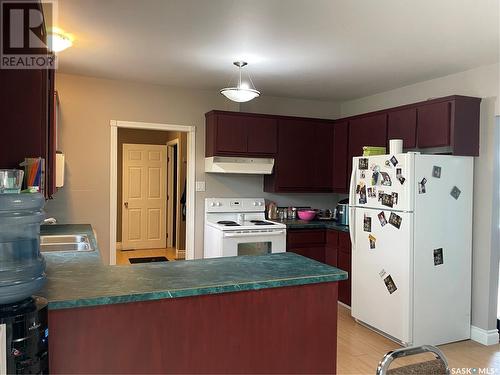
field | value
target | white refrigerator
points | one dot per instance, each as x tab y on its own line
411	234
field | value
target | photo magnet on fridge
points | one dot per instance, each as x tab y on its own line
387	163
387	200
389	283
394	161
375	178
362	174
362	194
421	188
363	164
380	195
386	179
395	220
455	192
382	219
372	192
438	256
367	223
436	171
394	198
373	241
399	176
424	181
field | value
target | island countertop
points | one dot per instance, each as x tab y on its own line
80	279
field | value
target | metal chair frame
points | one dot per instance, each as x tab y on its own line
384	364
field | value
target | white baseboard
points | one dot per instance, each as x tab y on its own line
343	304
482	336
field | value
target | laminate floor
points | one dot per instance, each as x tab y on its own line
359	351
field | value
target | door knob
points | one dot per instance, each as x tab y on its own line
125	204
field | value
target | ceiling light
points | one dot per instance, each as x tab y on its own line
243	91
58	41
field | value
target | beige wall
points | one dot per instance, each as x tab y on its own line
481	82
87	106
147	137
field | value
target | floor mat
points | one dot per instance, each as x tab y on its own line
147	260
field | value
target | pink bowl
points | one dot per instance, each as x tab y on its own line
306	215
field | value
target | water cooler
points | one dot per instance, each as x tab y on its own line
24	337
23	317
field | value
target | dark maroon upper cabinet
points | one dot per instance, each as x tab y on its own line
262	135
433	128
366	131
322	149
230	135
340	149
26	120
293	165
240	134
402	124
304	159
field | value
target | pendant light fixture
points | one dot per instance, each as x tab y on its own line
241	92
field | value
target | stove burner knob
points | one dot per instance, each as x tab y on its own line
212	204
255	203
218	204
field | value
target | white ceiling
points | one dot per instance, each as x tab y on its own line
318	49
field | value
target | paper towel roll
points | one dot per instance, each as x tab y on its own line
395	146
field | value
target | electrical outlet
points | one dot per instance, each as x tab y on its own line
200	185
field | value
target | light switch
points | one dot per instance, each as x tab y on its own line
200	185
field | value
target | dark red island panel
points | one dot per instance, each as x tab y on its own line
278	330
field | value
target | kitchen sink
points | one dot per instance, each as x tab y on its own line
67	242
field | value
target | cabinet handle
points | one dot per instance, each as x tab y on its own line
125	204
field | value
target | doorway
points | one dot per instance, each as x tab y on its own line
152	188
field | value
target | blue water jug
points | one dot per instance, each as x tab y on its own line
22	267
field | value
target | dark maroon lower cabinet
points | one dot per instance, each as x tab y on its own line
286	330
328	246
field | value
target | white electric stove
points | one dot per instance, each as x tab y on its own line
239	227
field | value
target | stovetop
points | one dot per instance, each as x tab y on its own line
230	223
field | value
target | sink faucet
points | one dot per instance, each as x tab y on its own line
50	220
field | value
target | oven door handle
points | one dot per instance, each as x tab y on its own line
253	234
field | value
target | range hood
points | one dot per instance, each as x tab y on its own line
225	164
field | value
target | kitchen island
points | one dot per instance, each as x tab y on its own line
253	314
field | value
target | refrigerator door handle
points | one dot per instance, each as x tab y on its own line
352	191
352	225
352	202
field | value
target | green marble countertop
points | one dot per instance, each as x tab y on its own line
314	224
80	279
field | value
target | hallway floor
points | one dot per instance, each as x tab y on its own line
123	256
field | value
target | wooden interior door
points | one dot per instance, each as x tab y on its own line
144	196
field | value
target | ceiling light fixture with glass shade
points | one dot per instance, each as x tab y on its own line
58	40
243	91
